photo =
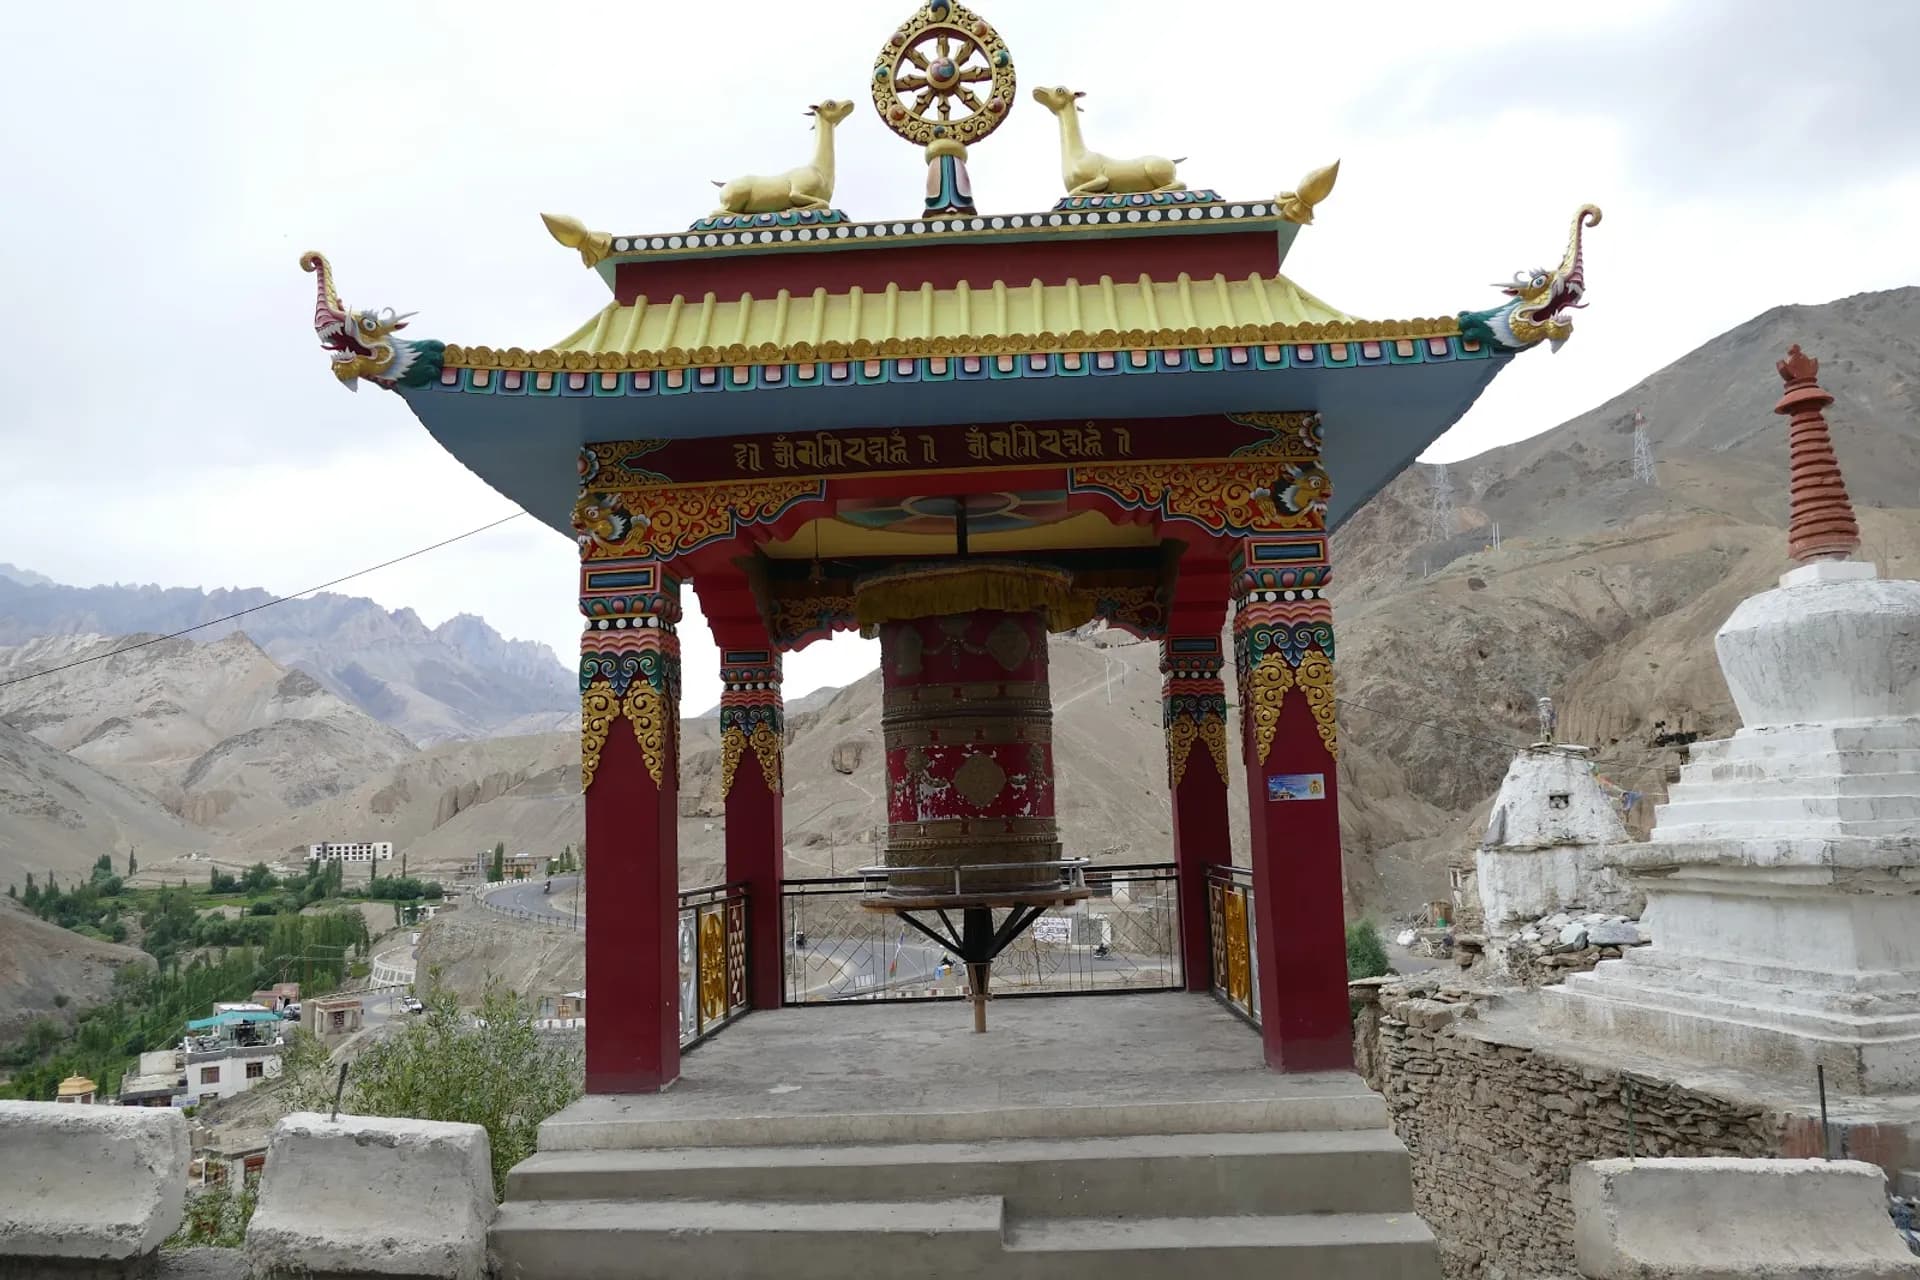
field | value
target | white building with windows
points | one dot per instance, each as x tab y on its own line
351	851
239	1047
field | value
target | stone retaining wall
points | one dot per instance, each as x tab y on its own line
1494	1129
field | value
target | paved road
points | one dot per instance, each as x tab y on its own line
526	896
868	967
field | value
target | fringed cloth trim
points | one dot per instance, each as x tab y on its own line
934	591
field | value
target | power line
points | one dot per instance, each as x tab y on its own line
241	613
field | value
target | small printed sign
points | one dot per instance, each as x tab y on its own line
1297	786
1051	929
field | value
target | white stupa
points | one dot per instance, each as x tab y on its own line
1783	875
1551	829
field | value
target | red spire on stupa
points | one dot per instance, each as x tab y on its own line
1821	526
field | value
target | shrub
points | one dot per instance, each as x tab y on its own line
217	1216
1366	952
494	1071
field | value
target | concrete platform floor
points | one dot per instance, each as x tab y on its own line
1075	1066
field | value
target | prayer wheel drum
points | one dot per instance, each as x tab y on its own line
968	724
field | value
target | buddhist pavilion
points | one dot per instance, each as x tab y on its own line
958	430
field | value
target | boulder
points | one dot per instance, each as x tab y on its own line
1626	934
1573	937
89	1186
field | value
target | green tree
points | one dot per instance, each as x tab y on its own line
499	862
495	1072
103	866
133	864
1366	952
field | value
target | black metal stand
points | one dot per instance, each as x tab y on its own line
977	943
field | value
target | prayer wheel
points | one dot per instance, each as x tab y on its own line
968	724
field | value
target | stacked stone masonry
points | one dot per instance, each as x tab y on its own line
1494	1130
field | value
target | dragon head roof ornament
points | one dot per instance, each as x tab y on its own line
366	344
1540	299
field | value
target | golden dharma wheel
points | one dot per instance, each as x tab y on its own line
944	75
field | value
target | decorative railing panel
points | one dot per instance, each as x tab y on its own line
1236	971
713	960
1126	937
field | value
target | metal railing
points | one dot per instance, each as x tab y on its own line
1231	930
713	960
1123	938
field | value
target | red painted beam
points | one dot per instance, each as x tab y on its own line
1235	255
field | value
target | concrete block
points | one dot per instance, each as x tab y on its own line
364	1196
1727	1219
88	1189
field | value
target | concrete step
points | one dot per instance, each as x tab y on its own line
1331	1101
736	1240
1882	990
1355	1171
1805	740
1746	1004
1763	808
1330	1246
1729	782
958	1239
1685	828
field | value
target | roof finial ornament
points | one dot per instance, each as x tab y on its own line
1297	206
1822	524
944	79
594	246
1540	299
1548	720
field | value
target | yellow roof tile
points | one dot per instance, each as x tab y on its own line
961	315
996	319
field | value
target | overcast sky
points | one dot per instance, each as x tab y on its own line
168	416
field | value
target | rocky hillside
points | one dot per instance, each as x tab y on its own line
219	733
458	680
47	971
59	814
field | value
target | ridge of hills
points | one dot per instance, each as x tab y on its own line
461	679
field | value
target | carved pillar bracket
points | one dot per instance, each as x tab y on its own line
1193	702
1283	634
750	715
629	661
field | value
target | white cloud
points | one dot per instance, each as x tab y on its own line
168	417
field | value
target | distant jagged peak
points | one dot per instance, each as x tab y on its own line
25	577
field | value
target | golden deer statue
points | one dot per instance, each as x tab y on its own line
1088	173
808	187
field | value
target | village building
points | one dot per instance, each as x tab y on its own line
333	1017
159	1080
230	1052
351	851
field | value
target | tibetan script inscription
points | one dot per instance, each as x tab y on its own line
1016	443
958	447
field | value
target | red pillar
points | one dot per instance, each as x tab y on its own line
1194	713
751	737
1283	649
630	768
